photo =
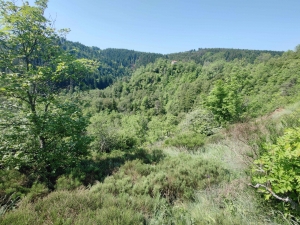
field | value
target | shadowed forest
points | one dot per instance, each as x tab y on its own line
116	136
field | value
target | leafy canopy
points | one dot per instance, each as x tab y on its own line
41	133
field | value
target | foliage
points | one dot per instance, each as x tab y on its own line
12	188
81	207
101	165
67	183
46	133
62	129
203	55
278	169
190	141
238	89
41	134
117	131
225	102
37	191
199	121
114	63
136	193
172	178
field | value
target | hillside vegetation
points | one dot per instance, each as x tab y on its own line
212	138
121	63
113	63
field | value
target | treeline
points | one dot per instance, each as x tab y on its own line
114	63
119	63
203	55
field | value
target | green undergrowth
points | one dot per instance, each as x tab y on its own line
135	194
79	207
180	189
207	184
99	166
173	178
15	186
190	141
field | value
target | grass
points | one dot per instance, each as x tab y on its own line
231	203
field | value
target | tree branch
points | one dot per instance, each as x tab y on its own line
19	97
287	199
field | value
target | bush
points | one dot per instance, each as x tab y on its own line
102	165
84	207
190	141
12	183
199	121
36	191
172	178
116	132
67	183
277	171
13	186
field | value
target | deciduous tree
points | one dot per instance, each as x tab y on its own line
41	133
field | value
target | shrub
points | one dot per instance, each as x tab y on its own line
36	191
104	164
277	171
83	207
12	183
190	141
199	121
67	183
13	186
172	178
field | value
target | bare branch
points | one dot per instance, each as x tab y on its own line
287	199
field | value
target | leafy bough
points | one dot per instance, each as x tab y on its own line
277	172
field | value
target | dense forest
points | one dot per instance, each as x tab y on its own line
121	63
114	64
116	136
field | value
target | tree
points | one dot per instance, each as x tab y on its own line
297	48
225	101
42	133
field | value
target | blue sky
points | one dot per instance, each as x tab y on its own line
172	26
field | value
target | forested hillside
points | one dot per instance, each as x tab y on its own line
114	63
120	63
240	89
201	55
200	137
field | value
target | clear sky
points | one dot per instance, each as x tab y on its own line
163	26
